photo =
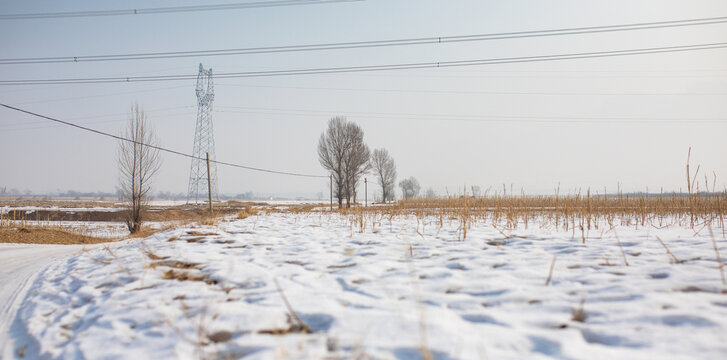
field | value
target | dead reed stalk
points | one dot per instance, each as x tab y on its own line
720	266
620	247
301	326
550	272
674	259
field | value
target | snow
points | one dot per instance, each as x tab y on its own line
385	293
18	270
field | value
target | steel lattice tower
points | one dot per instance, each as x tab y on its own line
204	142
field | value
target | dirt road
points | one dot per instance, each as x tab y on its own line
19	267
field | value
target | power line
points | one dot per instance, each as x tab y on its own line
366	68
543	74
369	44
159	147
118	117
477	118
162	10
476	92
50	126
100	95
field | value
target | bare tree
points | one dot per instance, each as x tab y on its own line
356	163
341	151
138	163
476	189
385	172
331	151
431	194
409	187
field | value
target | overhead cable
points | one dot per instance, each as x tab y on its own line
475	118
98	132
173	9
368	44
477	92
367	68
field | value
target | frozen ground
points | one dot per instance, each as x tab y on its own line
393	292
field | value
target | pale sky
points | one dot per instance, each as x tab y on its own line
581	123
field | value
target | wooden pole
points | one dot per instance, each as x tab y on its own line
366	192
330	185
209	182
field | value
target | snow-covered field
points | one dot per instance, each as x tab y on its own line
400	291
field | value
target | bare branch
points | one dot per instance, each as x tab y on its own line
342	151
138	163
385	172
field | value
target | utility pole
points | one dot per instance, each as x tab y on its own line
366	192
209	183
330	185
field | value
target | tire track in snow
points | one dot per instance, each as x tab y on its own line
20	265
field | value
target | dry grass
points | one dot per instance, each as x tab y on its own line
575	213
181	275
152	213
720	265
147	231
293	328
550	272
201	233
246	212
177	269
579	314
34	230
36	235
46	228
673	258
582	211
296	325
154	257
209	220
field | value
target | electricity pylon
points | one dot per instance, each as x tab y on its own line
204	143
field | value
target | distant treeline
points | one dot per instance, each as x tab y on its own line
165	195
62	194
183	196
666	194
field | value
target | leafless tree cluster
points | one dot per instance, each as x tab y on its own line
431	194
342	151
409	187
138	162
385	172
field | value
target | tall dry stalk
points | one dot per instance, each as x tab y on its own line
720	266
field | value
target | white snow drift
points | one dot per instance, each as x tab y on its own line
391	293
